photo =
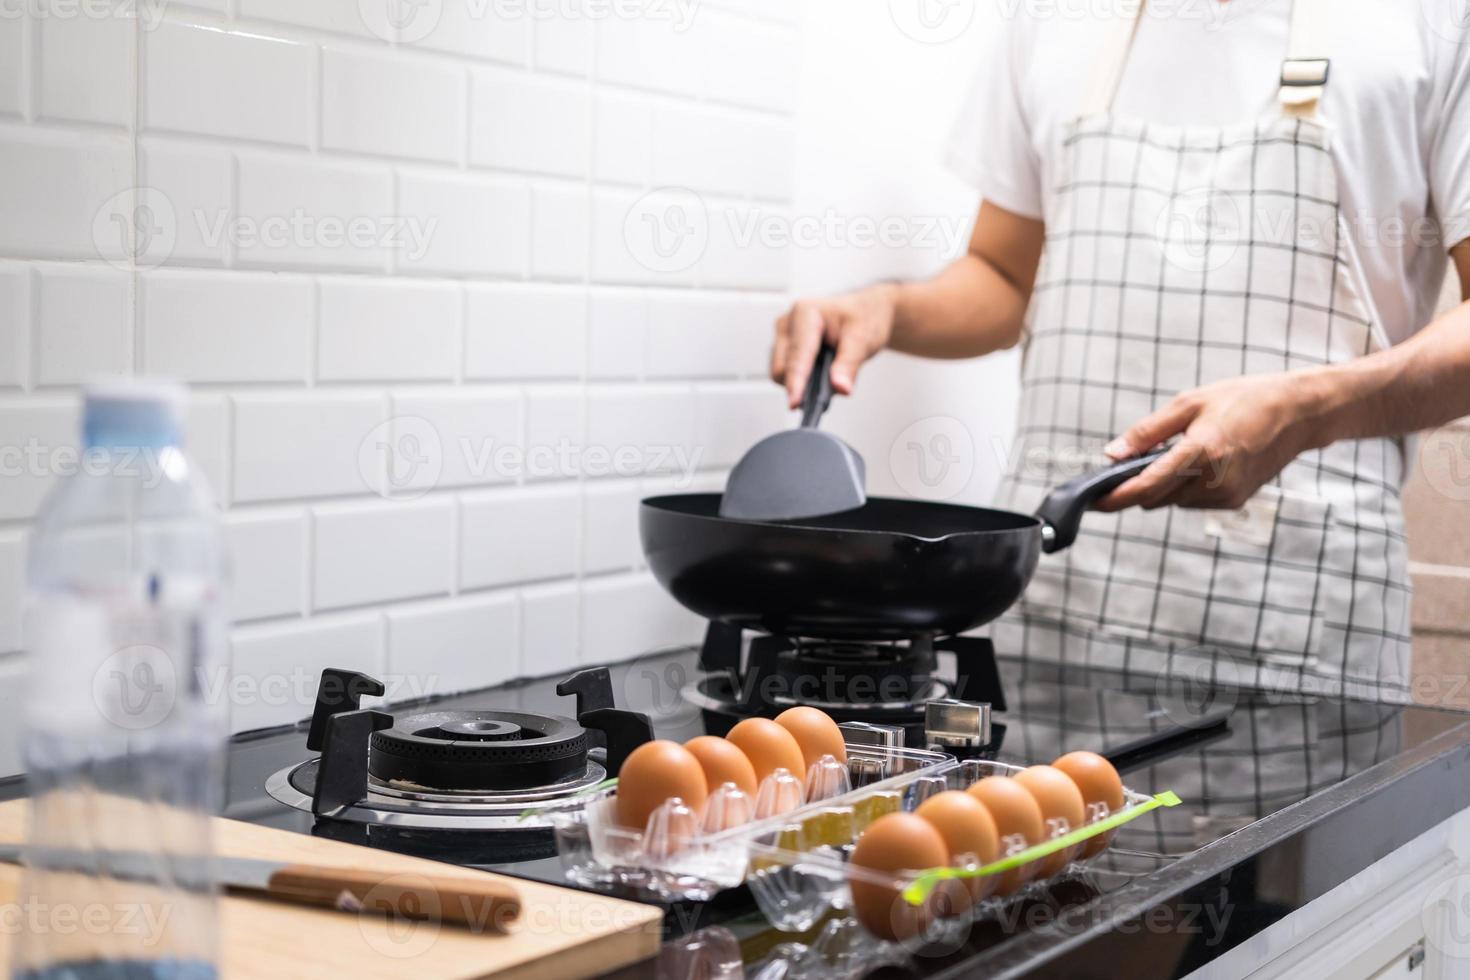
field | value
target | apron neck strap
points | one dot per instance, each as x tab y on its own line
1303	73
1116	40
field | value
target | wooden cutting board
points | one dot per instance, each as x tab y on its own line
561	932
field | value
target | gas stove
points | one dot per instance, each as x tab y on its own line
1237	759
511	773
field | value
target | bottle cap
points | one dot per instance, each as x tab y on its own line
133	414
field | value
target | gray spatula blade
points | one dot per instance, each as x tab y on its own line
792	475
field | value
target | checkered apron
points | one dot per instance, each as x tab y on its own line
1176	257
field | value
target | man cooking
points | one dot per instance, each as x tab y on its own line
1221	231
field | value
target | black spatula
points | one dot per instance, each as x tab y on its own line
801	473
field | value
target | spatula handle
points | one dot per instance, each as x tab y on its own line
818	388
483	905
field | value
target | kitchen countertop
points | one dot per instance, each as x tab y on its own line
1299	797
1294	799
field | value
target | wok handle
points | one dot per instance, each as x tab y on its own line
1061	512
818	388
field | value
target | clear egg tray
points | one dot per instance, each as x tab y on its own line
800	873
676	859
793	850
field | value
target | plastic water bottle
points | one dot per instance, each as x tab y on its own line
123	749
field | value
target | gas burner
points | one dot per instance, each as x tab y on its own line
478	750
881	683
507	771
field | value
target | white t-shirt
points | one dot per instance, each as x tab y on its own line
1397	103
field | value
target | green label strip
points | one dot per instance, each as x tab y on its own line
919	891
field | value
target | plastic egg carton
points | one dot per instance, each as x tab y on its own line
799	872
682	855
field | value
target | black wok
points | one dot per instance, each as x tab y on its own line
891	569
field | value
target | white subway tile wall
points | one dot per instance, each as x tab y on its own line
453	296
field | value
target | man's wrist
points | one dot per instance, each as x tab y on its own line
890	295
1327	402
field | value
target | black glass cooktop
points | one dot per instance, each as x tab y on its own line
1251	756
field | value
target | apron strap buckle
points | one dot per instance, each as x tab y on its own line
1303	80
1305	72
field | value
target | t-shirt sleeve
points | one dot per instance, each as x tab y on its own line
991	146
1449	151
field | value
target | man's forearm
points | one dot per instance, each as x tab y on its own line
967	310
1421	383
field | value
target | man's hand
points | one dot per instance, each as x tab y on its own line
858	324
1235	435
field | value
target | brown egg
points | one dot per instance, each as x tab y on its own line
1017	815
723	763
815	732
769	747
655	772
1100	786
969	830
897	842
1061	803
